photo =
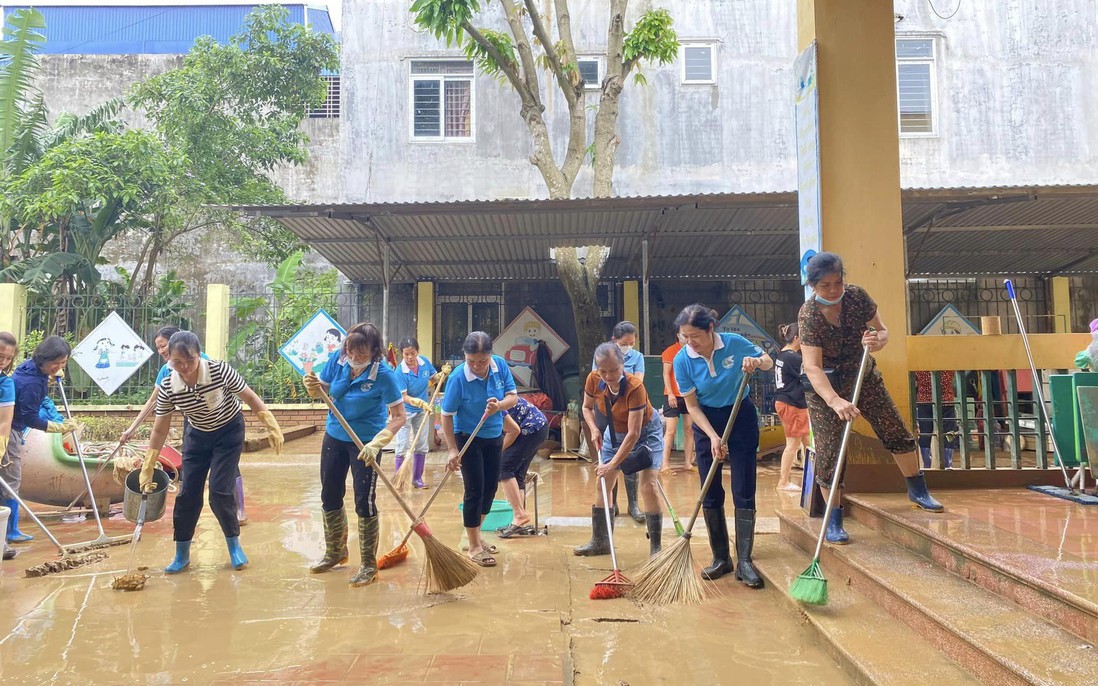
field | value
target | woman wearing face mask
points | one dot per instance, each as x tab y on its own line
789	402
674	407
624	335
416	375
835	324
9	348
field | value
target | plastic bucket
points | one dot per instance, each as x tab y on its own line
500	516
158	499
5	512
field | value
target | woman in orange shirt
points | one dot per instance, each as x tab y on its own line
673	408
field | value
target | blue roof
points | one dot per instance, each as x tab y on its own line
154	29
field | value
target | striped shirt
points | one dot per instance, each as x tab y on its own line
222	389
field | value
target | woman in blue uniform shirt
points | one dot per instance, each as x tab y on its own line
416	375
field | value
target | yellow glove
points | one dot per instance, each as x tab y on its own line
148	484
312	385
274	431
446	370
420	403
67	426
371	450
60	373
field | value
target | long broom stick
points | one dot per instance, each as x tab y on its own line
669	576
667	501
811	586
617	584
402	478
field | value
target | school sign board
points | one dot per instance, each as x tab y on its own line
309	348
111	353
737	321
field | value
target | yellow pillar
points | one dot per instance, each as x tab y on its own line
425	317
859	154
1061	304
217	320
13	309
631	310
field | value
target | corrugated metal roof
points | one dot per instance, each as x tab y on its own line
959	231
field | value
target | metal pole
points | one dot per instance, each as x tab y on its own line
646	342
385	293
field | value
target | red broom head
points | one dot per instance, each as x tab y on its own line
608	592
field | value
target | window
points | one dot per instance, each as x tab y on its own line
329	109
698	62
915	85
442	99
590	69
460	314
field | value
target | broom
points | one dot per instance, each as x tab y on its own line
811	586
674	518
402	479
616	585
668	576
446	568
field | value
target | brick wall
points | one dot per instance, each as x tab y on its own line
287	415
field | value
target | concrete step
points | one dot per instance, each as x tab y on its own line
987	635
855	631
1052	584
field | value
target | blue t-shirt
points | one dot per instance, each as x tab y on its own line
634	363
529	418
715	383
466	397
415	384
166	369
7	391
364	401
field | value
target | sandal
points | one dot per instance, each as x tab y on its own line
512	530
487	546
484	559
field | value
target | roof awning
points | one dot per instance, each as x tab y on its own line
956	232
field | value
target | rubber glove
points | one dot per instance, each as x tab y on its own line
312	385
446	369
67	426
420	403
148	484
274	431
371	450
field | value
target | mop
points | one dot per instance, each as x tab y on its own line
1068	492
616	585
130	581
811	586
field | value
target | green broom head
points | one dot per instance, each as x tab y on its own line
810	587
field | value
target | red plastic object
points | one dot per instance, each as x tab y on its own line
171	457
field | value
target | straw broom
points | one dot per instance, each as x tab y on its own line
617	585
403	479
811	586
668	576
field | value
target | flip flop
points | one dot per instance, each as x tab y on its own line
484	559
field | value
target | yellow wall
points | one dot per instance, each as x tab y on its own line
1061	304
630	309
217	320
13	309
1050	351
425	317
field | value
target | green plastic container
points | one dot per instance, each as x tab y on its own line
499	517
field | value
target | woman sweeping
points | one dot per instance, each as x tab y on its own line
9	348
674	407
482	385
790	404
416	375
616	399
624	335
709	370
367	393
206	393
525	428
834	326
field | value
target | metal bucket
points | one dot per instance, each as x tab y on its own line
157	501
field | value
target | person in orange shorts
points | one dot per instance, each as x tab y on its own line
790	402
674	407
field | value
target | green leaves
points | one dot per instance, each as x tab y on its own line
486	61
653	38
444	18
18	67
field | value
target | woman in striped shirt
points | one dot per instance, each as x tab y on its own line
206	392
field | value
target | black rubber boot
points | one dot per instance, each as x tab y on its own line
654	524
631	494
600	539
745	541
718	542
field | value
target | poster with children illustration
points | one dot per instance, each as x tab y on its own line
518	343
309	348
111	353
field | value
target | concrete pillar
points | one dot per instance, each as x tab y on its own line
425	318
1061	304
861	215
631	307
13	309
217	321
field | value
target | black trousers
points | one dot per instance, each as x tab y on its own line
336	457
217	454
517	458
743	445
480	471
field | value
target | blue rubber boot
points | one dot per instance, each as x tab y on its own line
926	457
947	458
236	554
14	535
835	532
182	558
918	494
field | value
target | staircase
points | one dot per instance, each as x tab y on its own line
975	595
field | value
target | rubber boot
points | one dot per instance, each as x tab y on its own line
835	532
926	457
14	535
654	524
614	500
236	554
745	542
947	458
600	539
631	495
9	552
718	542
367	546
918	494
182	558
335	542
238	495
397	462
419	460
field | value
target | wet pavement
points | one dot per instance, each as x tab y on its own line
528	620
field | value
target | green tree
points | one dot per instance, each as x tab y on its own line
516	57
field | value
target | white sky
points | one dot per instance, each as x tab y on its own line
335	7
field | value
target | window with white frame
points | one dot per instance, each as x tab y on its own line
915	85
590	70
699	62
442	99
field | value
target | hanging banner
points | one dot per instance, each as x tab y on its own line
111	353
312	345
737	321
807	109
950	322
518	343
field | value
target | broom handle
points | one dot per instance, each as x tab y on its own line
715	467
358	442
141	416
842	453
33	516
426	420
80	458
609	524
667	501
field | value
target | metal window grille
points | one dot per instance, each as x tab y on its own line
590	73
330	107
915	78
981	297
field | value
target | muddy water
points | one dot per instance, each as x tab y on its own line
526	621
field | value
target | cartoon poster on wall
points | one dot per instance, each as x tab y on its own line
950	322
111	353
737	321
312	345
518	343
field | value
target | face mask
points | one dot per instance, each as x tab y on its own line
824	301
357	367
625	349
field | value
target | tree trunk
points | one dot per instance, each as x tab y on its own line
581	282
606	118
